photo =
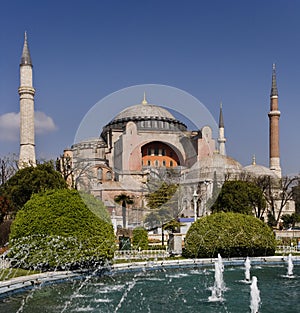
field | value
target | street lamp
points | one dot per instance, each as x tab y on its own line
195	198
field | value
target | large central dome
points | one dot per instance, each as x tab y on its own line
144	111
147	117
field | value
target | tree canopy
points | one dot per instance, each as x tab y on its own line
140	238
56	229
163	202
231	235
29	180
240	197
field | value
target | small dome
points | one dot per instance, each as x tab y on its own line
216	164
259	170
144	111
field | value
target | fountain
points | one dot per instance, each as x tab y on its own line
255	296
290	265
247	269
219	285
184	289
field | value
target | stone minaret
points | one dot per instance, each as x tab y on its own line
26	92
221	139
274	116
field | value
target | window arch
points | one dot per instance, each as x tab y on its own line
108	175
99	173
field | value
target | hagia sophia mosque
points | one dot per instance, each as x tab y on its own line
147	141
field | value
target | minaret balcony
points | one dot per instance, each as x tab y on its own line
274	113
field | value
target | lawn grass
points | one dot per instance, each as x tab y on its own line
9	273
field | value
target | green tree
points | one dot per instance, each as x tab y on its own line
231	235
27	181
4	207
163	202
124	200
277	193
289	220
240	197
140	238
162	196
56	229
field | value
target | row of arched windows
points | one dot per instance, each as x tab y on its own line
159	163
101	176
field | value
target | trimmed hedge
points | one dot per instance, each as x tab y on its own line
140	238
231	235
57	230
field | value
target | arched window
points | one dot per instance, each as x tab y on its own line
156	163
171	163
99	173
108	175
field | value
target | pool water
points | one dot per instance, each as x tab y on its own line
184	291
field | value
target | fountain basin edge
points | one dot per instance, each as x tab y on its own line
23	283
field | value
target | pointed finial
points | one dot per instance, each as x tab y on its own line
253	160
25	59
144	100
274	91
221	120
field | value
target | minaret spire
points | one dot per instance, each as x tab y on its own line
274	116
25	59
221	139
221	120
26	92
274	91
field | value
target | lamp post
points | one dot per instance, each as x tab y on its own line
195	198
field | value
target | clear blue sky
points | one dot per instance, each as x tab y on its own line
216	51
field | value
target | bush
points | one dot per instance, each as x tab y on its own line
140	238
29	180
57	230
231	235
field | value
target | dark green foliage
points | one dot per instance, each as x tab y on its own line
124	243
164	205
231	235
240	197
160	196
4	207
56	229
96	206
4	232
140	238
289	220
19	188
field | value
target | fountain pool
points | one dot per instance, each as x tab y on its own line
169	290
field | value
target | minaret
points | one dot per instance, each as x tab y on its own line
26	92
221	139
274	116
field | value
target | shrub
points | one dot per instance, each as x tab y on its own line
29	180
56	230
231	235
140	238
